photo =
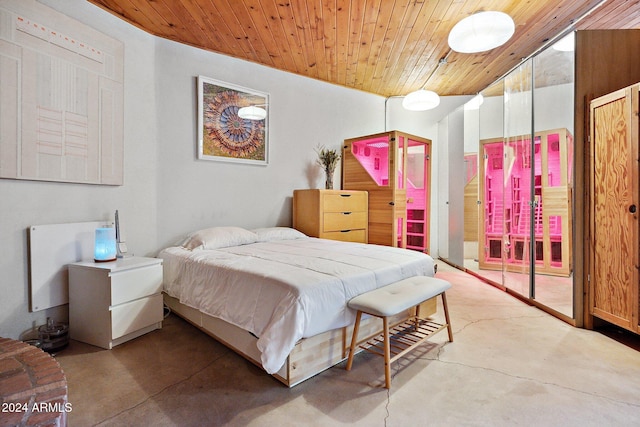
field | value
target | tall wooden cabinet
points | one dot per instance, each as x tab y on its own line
615	198
605	61
394	168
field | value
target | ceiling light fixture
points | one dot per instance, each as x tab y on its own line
421	100
481	31
253	112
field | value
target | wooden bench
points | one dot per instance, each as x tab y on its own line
391	300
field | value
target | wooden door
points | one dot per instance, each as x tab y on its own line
376	176
381	217
614	226
378	164
556	189
491	237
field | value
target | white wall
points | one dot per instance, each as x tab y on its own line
27	203
167	192
553	107
303	112
553	110
442	201
491	118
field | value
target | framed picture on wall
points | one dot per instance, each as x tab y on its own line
232	123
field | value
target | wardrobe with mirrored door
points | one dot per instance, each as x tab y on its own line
524	151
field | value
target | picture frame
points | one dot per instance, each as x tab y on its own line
222	134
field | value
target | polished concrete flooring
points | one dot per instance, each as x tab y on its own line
555	292
510	364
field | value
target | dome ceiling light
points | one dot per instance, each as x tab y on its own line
481	31
252	113
421	100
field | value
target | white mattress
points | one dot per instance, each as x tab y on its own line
285	290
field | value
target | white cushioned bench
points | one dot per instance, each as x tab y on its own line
391	300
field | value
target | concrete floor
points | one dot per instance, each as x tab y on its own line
510	364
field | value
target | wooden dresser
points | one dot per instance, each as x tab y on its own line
332	214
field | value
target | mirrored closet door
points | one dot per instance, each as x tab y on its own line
521	141
553	113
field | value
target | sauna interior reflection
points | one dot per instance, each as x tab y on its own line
517	191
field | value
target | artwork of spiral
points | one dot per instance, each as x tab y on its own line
225	134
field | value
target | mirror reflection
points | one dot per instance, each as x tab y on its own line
518	181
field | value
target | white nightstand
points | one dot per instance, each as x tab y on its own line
113	302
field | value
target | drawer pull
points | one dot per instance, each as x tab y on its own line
345	231
346	213
345	195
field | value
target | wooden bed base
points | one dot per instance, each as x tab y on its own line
309	357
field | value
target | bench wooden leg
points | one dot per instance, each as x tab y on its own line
418	329
387	352
446	316
354	340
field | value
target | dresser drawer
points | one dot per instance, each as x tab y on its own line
359	236
135	315
327	213
136	283
345	202
338	221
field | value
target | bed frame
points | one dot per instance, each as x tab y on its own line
309	357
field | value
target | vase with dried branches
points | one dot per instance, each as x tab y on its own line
328	160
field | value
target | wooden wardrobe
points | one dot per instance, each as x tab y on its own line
615	196
605	61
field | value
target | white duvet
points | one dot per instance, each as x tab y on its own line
282	291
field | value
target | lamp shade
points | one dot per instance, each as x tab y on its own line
481	31
421	100
105	245
252	113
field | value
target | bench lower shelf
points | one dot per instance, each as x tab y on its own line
403	337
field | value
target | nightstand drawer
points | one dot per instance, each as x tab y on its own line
135	315
136	283
344	202
347	236
338	221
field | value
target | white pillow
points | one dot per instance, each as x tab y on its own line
269	234
219	237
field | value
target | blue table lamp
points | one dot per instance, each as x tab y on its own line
105	245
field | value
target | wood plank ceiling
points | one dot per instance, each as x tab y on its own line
386	47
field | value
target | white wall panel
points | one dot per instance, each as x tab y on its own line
57	54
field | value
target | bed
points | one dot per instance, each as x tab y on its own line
279	297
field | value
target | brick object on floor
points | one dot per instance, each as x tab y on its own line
33	388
